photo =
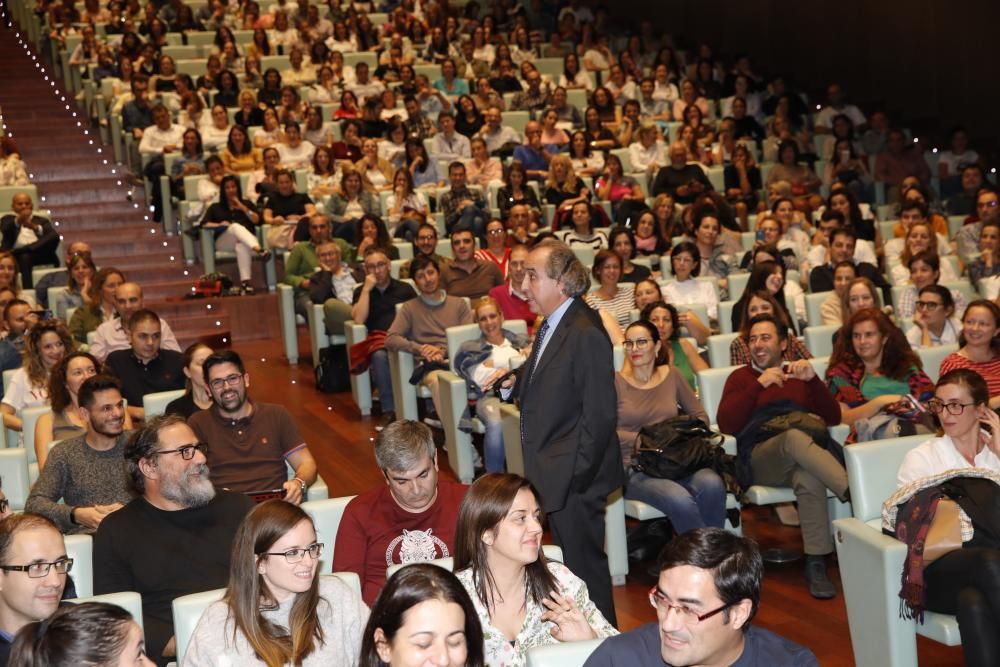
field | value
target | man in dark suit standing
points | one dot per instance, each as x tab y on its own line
31	238
568	415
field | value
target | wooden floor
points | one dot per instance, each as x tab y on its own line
341	441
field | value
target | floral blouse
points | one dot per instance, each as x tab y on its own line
853	387
499	652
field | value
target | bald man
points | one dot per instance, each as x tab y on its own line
113	334
31	238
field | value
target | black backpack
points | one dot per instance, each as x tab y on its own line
332	373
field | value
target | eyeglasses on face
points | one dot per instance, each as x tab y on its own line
638	343
39	570
230	380
928	305
688	616
186	451
937	406
293	556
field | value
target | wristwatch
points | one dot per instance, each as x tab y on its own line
302	483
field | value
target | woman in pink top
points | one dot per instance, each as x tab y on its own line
482	169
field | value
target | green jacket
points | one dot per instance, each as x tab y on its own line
302	262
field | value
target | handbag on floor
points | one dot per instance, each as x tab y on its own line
332	373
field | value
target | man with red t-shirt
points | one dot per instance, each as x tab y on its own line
409	520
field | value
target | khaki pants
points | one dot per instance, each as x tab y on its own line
793	459
335	313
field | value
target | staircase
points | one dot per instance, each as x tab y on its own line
90	200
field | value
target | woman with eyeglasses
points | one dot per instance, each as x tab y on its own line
277	610
980	346
522	598
651	392
965	581
497	249
934	321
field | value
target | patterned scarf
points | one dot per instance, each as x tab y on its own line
913	522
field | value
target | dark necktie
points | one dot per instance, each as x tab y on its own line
536	350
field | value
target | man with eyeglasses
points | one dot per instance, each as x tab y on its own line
425	245
375	306
175	538
779	413
302	261
706	596
332	286
251	441
145	368
86	472
466	275
34	571
934	321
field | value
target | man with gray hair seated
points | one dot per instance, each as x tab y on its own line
175	538
412	518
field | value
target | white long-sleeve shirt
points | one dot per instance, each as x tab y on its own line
154	139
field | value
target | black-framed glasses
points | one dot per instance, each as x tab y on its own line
230	380
688	615
928	305
39	570
293	556
186	451
938	406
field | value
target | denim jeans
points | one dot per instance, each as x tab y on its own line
472	218
382	377
488	411
693	502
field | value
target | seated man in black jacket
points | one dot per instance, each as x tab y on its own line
31	238
683	181
333	286
842	244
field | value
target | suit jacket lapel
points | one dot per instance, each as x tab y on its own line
555	341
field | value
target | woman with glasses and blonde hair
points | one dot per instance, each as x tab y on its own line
522	598
966	581
277	610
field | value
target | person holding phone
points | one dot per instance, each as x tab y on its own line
873	369
963	582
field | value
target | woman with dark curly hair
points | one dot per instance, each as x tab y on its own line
873	369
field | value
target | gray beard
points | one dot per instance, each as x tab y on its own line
195	493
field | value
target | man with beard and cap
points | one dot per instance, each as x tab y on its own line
175	538
86	472
250	441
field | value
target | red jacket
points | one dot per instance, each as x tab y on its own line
743	395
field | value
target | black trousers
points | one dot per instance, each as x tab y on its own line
28	258
966	583
579	529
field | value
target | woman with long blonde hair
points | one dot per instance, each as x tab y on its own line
563	188
45	344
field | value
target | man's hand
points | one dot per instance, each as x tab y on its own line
431	353
800	370
772	376
91	517
369	283
293	491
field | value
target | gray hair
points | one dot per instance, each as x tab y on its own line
401	445
562	263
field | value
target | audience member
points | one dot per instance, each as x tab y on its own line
46	343
375	302
34	572
498	549
85	473
462	207
145	368
705	574
113	335
250	442
762	302
410	519
196	393
17	317
88	633
65	421
175	537
509	296
467	275
31	238
779	413
674	350
682	181
302	262
934	321
101	307
422	600
276	605
980	346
